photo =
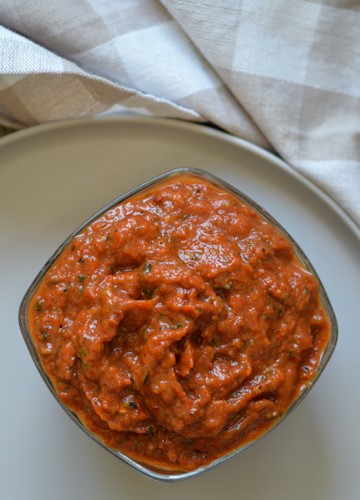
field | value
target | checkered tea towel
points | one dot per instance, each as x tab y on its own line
282	74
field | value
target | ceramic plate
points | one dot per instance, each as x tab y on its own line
52	178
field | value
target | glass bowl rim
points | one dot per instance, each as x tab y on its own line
143	187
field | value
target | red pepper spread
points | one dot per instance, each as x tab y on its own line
179	325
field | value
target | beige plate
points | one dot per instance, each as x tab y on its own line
51	179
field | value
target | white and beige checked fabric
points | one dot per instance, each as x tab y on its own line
282	74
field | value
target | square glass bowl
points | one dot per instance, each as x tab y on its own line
163	474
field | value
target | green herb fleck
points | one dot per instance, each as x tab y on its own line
83	352
247	343
292	354
147	379
175	349
131	404
44	335
177	326
150	431
84	366
187	441
216	340
147	267
39	306
81	278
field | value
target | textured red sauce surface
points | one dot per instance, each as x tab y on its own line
179	325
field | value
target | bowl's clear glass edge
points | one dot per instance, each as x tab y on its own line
24	327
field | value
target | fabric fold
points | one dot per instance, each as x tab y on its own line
283	75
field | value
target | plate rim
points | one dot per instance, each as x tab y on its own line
196	128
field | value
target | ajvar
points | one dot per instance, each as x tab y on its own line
179	325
